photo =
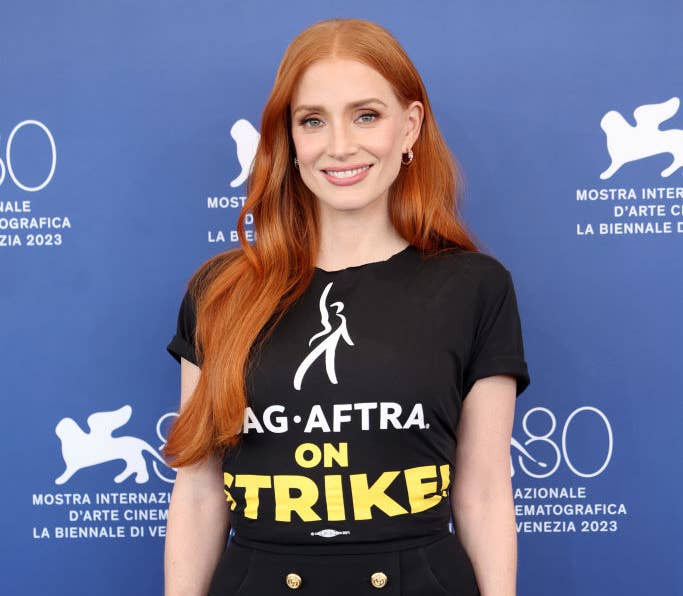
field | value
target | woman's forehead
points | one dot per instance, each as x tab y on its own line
340	82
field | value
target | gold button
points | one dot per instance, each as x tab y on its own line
378	579
293	581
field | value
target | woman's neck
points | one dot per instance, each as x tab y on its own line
355	238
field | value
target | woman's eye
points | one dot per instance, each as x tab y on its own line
311	122
368	117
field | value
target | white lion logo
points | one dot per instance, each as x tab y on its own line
81	449
246	139
627	143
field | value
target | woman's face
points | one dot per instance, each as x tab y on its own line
349	133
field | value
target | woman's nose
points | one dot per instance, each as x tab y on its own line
341	141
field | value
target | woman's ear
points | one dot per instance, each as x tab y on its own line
415	115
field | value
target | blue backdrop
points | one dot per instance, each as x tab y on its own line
116	163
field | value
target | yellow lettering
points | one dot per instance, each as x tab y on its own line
301	450
418	490
252	483
302	505
334	498
364	496
339	455
425	487
227	480
445	471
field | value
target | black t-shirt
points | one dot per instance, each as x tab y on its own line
349	436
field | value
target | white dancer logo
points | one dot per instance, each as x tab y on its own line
81	450
627	143
246	139
328	346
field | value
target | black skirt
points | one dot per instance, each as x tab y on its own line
439	567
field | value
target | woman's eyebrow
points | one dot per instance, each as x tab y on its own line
351	106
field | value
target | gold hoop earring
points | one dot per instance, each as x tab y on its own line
407	161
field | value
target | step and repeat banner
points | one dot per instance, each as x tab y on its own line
126	132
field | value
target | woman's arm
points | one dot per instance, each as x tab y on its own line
481	493
198	516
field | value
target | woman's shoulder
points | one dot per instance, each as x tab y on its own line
476	282
472	265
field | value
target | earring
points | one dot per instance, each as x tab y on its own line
406	161
296	163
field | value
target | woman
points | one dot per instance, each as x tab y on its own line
359	362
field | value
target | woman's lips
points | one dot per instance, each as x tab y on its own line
346	176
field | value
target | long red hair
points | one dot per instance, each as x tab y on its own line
242	293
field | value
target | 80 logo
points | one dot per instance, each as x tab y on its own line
6	163
546	441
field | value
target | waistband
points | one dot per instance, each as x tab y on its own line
342	548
